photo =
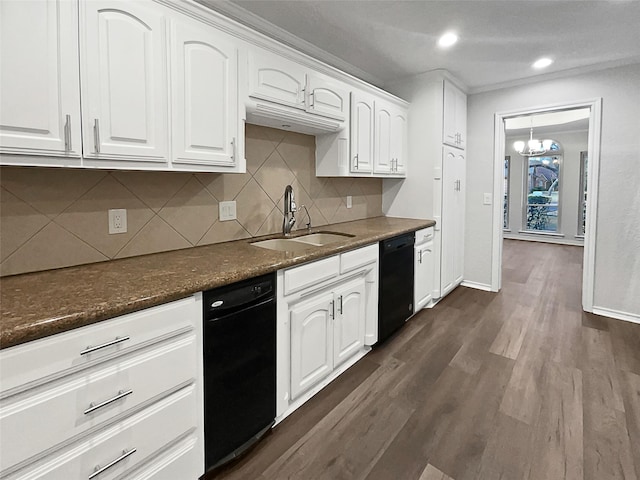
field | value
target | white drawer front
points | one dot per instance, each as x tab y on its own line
147	431
182	460
299	278
424	235
42	417
49	356
358	258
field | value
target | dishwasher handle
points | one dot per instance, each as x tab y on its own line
226	313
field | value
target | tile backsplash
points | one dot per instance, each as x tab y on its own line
57	217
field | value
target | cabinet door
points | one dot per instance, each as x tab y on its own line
204	72
327	99
362	121
454	116
382	148
124	88
452	222
40	101
311	342
276	79
399	141
348	331
423	267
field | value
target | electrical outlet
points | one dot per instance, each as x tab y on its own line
349	201
227	211
117	221
487	198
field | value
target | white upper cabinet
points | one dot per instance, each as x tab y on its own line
398	141
40	90
382	156
124	80
204	74
454	116
326	98
276	79
362	132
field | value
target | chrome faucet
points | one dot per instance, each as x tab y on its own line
289	210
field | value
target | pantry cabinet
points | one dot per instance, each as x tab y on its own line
454	132
124	81
204	93
452	219
40	98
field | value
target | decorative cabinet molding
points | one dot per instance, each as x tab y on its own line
40	98
204	74
125	85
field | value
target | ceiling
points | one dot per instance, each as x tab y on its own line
381	41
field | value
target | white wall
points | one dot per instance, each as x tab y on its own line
617	246
572	144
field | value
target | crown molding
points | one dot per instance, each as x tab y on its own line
251	20
572	72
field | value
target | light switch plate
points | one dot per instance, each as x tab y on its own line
117	220
227	211
487	198
349	201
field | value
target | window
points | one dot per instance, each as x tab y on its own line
582	205
542	193
505	201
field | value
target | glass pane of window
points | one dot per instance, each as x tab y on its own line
582	208
542	191
505	202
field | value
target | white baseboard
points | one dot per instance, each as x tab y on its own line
627	317
477	286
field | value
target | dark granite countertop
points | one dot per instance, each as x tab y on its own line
36	305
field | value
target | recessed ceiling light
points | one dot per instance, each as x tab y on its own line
447	39
542	63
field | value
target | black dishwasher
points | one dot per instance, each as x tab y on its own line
395	296
239	367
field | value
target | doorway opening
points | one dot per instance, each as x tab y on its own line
546	181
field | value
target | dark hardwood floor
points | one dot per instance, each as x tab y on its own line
516	385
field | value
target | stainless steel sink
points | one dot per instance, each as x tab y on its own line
283	245
322	238
302	242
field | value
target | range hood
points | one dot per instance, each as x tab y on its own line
287	118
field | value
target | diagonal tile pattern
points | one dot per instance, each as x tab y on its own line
53	218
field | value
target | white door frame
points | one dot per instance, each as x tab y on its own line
595	124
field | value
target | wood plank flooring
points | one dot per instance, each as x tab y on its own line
516	385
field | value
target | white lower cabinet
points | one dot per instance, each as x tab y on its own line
324	325
423	268
129	400
311	342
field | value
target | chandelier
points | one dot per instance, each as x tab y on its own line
534	148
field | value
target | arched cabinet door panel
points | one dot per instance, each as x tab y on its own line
124	87
40	101
311	342
382	160
362	134
276	79
326	99
204	66
348	332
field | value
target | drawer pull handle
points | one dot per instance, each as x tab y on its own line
115	341
99	469
121	394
